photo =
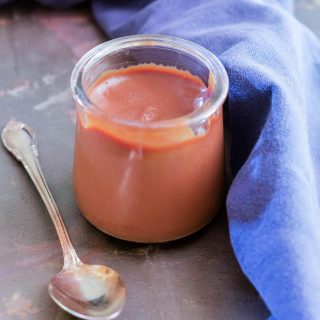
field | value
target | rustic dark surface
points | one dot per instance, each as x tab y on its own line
196	278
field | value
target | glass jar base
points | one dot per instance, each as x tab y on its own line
178	237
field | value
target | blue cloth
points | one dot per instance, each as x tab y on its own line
273	63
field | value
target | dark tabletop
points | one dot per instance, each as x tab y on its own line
197	278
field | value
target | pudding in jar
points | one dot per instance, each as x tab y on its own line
149	155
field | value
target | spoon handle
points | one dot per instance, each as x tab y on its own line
20	141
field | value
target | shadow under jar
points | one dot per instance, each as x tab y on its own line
143	177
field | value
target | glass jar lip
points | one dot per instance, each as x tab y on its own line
220	77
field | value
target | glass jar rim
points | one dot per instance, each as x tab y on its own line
215	67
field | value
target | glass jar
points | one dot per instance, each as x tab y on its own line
156	181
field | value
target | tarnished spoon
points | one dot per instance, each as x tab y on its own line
86	291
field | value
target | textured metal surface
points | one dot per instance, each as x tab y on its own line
195	278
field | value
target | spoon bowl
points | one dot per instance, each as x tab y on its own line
88	291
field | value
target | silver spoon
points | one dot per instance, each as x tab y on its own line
86	291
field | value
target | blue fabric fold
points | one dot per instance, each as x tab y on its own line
273	63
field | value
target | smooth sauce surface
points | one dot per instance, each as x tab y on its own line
147	93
